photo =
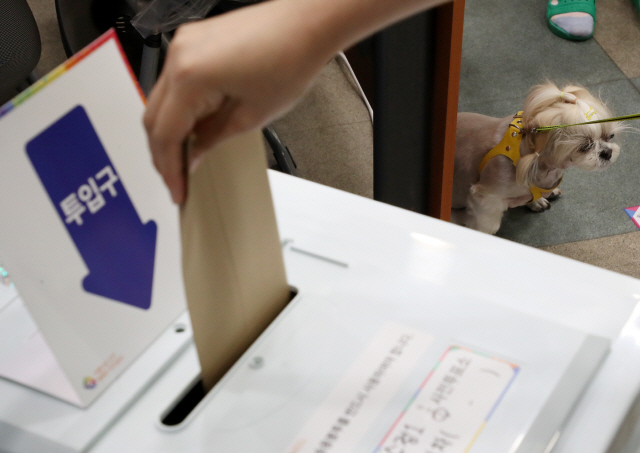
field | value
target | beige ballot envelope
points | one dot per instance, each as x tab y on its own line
231	255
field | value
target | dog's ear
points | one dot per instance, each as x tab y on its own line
527	166
526	169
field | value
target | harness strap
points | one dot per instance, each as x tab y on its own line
537	192
509	146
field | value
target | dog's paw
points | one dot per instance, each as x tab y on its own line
489	226
555	194
541	204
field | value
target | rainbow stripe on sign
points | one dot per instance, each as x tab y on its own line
64	67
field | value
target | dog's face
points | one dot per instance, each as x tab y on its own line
588	147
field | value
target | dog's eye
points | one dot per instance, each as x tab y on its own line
586	146
611	137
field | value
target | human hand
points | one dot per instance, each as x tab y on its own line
223	76
238	71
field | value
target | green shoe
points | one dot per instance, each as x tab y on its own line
636	3
572	6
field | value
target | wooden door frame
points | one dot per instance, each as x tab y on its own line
448	54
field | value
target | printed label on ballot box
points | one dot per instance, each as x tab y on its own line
452	406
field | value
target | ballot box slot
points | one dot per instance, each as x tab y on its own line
195	392
185	404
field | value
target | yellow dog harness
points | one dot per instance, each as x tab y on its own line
509	146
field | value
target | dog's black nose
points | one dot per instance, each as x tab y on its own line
605	154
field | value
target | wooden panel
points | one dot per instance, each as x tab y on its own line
449	24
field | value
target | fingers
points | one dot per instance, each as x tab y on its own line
169	125
204	71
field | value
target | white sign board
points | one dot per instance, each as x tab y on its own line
88	232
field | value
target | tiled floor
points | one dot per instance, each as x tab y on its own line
618	27
507	48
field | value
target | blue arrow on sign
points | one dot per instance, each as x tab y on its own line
94	206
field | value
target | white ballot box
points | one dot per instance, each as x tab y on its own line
409	333
406	333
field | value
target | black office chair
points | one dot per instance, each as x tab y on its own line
19	48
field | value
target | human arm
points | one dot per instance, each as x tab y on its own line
241	70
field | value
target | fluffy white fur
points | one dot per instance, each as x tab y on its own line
480	199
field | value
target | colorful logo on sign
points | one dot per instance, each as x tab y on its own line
89	383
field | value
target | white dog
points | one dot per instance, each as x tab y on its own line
502	163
